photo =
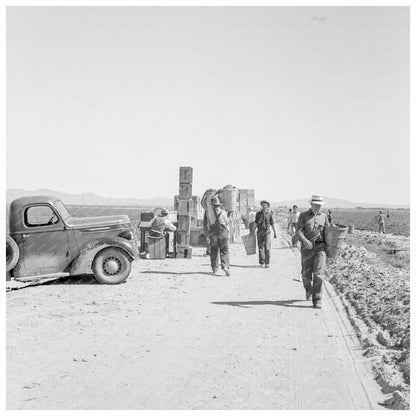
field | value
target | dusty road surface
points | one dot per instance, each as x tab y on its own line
176	337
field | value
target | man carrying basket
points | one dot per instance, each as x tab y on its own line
311	232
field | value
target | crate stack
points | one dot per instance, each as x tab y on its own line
185	209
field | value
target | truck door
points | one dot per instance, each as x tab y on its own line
44	242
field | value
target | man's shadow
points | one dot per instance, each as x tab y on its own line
247	304
175	273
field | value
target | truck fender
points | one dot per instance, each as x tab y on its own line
83	263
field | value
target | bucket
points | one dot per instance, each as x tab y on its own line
249	241
230	198
334	239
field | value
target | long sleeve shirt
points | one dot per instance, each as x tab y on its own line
160	224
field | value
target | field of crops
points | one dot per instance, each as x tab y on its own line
398	222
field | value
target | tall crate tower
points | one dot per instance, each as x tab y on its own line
185	208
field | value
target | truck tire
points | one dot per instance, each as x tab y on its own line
12	253
111	266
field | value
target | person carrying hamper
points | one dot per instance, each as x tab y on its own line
219	238
311	232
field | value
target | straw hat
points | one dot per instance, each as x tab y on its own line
318	200
163	213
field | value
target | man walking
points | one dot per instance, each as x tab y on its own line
218	237
311	232
381	219
293	220
264	221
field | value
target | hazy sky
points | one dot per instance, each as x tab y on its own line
287	100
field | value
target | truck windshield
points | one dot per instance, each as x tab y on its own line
62	210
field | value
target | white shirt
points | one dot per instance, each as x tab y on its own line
294	217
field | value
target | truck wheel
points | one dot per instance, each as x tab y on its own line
111	266
12	253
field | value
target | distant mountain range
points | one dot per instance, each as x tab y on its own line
336	203
91	198
94	199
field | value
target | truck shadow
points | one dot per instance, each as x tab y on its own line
247	304
85	279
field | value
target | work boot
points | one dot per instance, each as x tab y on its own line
308	295
266	266
317	303
227	271
215	270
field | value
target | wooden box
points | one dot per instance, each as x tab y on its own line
185	206
157	247
185	175
183	238
198	238
184	252
185	191
184	223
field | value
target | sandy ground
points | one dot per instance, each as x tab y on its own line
176	337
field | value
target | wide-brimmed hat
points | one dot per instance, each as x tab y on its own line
163	213
265	202
317	199
215	201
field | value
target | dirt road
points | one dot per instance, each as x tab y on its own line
176	337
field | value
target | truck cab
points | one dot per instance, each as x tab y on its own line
52	243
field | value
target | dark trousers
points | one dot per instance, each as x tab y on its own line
219	244
264	241
313	269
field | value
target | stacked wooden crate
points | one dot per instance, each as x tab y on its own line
184	208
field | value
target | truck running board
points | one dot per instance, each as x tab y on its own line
43	277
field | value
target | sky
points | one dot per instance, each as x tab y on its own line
290	101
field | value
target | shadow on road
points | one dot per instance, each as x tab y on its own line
175	273
247	304
257	266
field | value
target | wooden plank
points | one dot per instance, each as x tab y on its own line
185	174
185	206
184	223
183	238
185	191
157	248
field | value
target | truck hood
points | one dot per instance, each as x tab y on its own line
91	223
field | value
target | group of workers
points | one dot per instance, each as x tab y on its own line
307	227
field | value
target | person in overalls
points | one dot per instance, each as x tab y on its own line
219	238
311	232
264	222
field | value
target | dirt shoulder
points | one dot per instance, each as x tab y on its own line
176	337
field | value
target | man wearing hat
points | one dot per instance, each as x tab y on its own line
264	221
160	225
218	237
311	232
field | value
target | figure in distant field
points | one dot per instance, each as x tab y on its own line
381	219
161	225
311	232
264	222
219	238
293	220
329	217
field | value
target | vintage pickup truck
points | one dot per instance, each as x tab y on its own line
46	242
